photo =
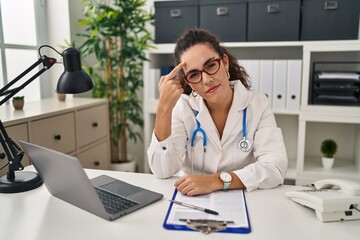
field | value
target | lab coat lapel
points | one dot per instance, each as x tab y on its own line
235	116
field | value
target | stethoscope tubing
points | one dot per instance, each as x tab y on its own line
244	144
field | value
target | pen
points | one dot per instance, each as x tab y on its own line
195	207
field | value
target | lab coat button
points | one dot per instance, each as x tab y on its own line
164	148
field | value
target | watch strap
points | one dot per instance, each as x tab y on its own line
226	185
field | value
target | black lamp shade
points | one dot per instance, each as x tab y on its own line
73	79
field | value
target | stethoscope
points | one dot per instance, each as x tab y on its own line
244	143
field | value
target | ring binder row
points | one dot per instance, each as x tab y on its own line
331	86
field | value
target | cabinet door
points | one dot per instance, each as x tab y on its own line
56	133
16	133
91	125
96	157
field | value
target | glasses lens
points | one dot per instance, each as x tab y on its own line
194	77
212	67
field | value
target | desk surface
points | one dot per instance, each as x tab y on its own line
37	215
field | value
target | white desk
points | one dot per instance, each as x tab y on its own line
37	215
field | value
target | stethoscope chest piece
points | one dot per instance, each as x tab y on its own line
245	145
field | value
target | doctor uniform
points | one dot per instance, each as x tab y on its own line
263	166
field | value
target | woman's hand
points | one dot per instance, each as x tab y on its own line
191	185
170	91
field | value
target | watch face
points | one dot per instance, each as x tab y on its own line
225	177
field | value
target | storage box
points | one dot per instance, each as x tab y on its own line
277	20
224	18
330	19
173	17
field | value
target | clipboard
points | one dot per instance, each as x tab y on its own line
209	225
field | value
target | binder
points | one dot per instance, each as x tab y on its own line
293	85
266	78
253	69
280	75
227	199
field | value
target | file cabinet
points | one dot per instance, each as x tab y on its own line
285	68
78	127
225	18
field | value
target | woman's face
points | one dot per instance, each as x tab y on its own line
214	87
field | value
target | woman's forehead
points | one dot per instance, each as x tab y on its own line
197	55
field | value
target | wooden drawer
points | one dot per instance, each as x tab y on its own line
96	156
16	133
92	124
56	133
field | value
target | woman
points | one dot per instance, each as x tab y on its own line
209	92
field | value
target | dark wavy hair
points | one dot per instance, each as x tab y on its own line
192	37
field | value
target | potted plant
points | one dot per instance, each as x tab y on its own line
18	102
328	149
116	33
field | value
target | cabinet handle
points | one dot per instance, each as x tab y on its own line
95	124
175	13
330	5
57	137
97	163
293	97
222	11
279	96
273	8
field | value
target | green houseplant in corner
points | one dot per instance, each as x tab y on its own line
328	149
116	34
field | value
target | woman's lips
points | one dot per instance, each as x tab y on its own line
212	89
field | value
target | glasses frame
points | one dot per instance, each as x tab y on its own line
203	70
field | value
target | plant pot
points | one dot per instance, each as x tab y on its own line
129	166
61	96
327	162
18	104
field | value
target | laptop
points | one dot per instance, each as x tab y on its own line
103	196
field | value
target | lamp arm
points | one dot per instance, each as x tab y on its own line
46	61
12	151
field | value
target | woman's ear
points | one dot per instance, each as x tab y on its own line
225	60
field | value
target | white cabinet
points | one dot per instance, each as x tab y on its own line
304	125
78	126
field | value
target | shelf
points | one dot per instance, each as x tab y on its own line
303	129
314	46
342	168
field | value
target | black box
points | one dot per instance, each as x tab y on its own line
330	19
224	18
173	17
270	20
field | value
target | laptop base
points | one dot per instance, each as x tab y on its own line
24	181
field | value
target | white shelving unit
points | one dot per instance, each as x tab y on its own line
303	129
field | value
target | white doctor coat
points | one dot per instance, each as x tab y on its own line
264	166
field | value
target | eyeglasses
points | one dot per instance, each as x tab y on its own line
211	68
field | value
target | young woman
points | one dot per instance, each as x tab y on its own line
210	125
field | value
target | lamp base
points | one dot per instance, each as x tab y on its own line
24	181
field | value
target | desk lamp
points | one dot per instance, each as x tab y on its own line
73	80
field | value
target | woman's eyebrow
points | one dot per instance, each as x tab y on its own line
205	63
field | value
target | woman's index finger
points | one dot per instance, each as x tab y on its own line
176	70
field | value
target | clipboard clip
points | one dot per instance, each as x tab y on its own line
206	226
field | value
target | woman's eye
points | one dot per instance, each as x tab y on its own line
193	75
211	65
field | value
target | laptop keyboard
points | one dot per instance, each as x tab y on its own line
114	203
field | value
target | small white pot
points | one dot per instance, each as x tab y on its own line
129	166
327	162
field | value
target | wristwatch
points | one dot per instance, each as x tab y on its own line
226	178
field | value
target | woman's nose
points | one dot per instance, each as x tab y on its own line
206	78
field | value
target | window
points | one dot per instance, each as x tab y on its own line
19	42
